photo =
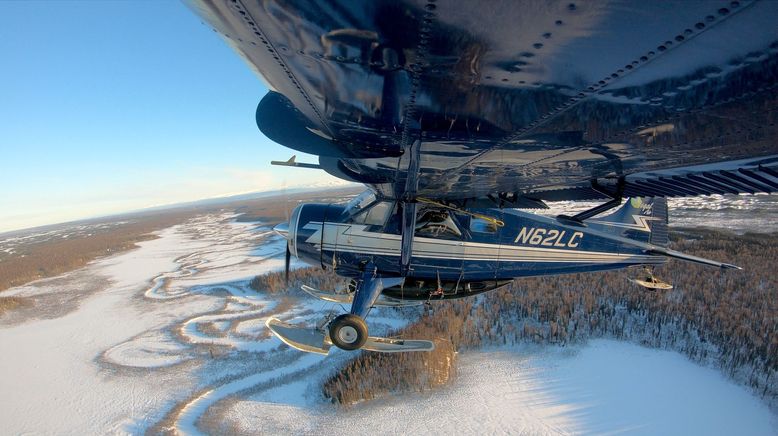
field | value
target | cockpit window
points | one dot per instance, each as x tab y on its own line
436	223
375	215
360	202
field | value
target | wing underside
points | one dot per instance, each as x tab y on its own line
538	100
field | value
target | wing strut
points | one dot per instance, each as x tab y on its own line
409	226
615	201
410	205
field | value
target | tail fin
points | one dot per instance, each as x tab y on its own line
640	218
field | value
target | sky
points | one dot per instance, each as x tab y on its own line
112	106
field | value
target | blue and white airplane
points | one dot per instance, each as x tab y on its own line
459	115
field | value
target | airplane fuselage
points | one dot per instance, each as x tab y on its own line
479	245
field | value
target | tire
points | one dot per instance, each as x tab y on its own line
348	332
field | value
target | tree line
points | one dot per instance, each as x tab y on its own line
726	319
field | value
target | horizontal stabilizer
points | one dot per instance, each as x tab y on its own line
346	298
689	258
292	162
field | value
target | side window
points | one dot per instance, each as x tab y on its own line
481	225
376	215
435	223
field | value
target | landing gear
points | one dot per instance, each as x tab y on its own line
348	332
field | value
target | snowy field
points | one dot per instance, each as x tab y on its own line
606	387
170	337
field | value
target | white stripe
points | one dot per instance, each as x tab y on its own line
641	223
351	238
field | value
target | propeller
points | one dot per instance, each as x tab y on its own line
283	230
286	263
288	257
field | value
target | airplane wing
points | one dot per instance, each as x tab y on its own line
519	101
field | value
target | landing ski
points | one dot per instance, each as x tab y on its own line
315	340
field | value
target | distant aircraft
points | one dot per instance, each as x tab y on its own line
457	114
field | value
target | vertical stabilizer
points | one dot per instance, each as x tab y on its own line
640	218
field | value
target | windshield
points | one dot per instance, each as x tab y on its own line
360	202
376	215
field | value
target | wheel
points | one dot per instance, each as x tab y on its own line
348	332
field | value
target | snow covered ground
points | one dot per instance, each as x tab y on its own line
170	337
605	387
151	338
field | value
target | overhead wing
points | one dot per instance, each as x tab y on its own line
535	99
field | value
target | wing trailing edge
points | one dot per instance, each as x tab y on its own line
749	176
